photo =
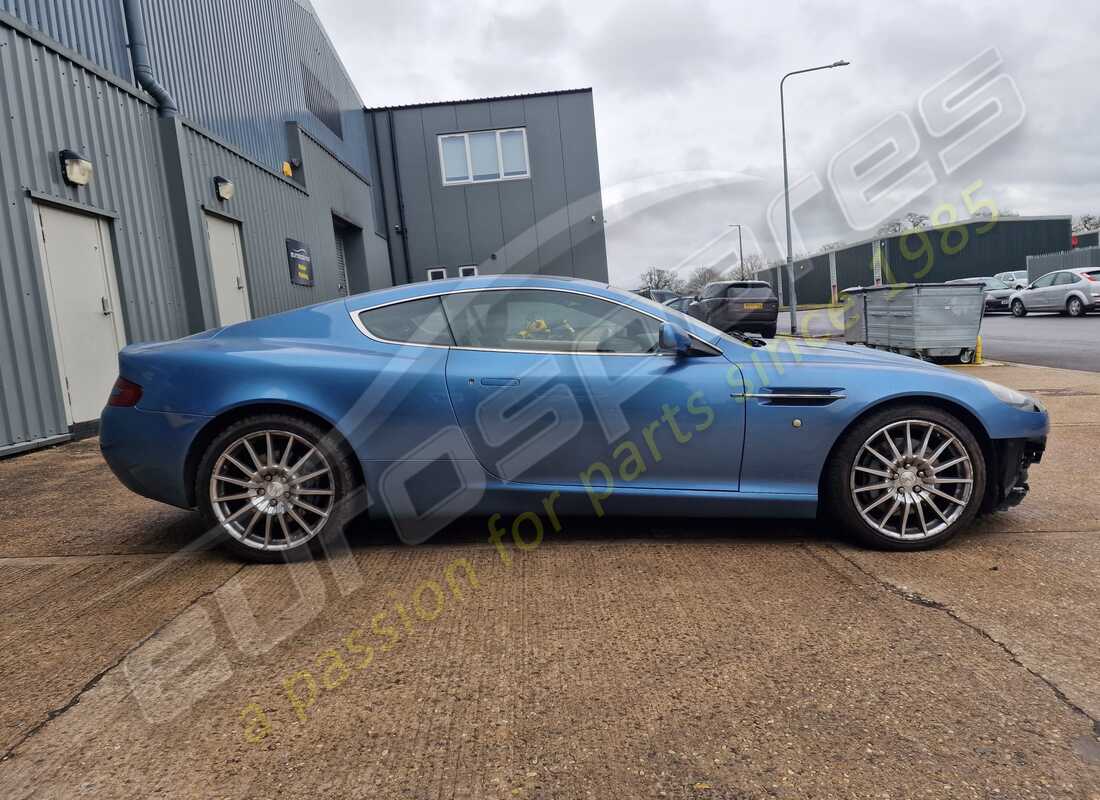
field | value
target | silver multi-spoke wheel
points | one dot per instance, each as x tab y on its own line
912	479
272	490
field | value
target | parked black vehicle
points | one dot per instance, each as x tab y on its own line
657	295
738	305
997	292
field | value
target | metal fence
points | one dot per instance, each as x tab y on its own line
1082	257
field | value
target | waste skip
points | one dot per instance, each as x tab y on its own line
917	319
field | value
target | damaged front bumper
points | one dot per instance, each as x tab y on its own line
1008	481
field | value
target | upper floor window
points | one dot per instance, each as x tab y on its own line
483	156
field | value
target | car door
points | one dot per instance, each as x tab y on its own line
567	388
1063	286
1038	296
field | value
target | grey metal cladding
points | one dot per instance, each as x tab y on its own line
582	185
94	28
47	103
272	208
233	66
542	224
544	145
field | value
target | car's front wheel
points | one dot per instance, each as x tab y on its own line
907	478
275	486
1018	309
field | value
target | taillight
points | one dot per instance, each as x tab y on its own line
1091	278
124	393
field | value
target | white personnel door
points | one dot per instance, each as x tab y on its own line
227	263
85	312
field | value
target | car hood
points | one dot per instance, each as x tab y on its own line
823	351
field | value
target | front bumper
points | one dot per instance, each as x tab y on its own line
996	304
1008	482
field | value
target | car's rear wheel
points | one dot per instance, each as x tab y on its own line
1074	307
769	331
1018	309
907	478
275	486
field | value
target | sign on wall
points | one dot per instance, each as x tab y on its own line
300	262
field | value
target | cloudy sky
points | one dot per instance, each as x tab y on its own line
686	98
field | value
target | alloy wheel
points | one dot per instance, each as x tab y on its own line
1075	307
911	479
272	490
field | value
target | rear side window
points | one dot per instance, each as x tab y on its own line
544	320
1066	278
414	322
714	290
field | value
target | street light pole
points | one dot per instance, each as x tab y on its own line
740	248
792	301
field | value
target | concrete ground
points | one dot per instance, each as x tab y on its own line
633	658
1048	340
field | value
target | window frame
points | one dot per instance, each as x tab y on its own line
706	349
469	179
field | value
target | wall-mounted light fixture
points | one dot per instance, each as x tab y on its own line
224	188
76	169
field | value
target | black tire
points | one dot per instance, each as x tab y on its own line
341	479
1018	309
1074	307
838	480
769	331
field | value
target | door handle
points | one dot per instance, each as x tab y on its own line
500	381
240	283
105	304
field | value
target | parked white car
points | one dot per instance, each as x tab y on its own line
1071	291
1017	279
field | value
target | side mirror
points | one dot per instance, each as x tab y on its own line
672	340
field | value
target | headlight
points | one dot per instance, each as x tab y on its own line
1013	398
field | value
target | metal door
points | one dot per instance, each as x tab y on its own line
85	313
227	267
341	265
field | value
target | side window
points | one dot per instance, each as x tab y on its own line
1046	280
714	290
1065	279
547	320
414	322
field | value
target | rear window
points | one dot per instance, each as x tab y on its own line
414	322
750	292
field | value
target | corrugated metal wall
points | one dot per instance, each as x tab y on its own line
971	249
1078	258
540	225
47	103
94	28
271	208
233	67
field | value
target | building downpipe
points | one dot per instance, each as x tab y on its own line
139	57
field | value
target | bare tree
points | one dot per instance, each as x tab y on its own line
700	277
889	228
1086	222
915	221
658	278
754	262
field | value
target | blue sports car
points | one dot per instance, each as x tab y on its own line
530	399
